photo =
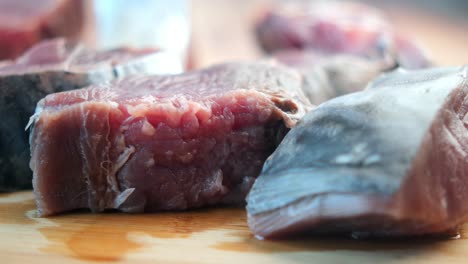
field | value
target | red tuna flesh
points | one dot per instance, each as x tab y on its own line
153	143
331	28
24	23
53	66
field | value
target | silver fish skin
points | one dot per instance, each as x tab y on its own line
387	161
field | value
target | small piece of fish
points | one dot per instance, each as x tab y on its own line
53	66
387	161
338	47
334	27
162	142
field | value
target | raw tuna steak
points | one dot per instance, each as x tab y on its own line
154	143
334	28
54	66
387	161
325	40
23	23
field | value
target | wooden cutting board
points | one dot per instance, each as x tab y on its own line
203	236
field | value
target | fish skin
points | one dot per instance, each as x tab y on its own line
52	66
347	166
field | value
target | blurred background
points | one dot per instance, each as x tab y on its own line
203	32
441	27
451	8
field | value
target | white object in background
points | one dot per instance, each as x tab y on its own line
145	23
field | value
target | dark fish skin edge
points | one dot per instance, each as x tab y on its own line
19	94
17	103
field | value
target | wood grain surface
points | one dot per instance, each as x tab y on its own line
203	236
219	235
